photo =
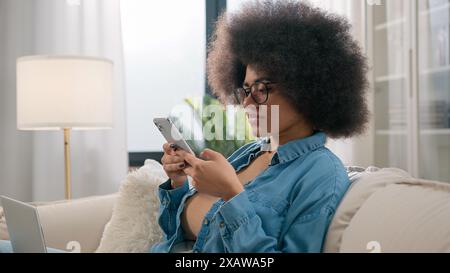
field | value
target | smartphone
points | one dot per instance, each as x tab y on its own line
171	133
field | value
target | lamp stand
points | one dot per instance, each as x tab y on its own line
68	193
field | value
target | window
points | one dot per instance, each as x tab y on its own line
164	51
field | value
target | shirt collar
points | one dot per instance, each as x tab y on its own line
296	148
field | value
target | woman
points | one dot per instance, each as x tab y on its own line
303	60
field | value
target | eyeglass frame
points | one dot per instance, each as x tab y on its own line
248	91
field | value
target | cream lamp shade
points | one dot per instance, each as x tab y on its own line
56	92
64	92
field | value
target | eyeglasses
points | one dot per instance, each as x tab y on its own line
258	90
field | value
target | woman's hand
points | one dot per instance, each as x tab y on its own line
173	165
215	177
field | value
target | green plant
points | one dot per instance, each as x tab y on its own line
198	107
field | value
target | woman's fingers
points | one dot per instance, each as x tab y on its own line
174	167
188	170
188	157
169	148
171	159
211	155
166	148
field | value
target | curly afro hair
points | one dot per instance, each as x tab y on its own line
310	54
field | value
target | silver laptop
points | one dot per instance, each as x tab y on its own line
24	228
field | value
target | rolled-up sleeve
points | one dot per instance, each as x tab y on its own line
170	200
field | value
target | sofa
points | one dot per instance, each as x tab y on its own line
384	210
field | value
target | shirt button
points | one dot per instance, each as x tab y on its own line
222	224
206	222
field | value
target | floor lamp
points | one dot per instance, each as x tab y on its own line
64	93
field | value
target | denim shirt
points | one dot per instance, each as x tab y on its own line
286	208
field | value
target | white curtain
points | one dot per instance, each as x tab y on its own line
32	163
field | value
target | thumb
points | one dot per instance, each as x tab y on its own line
210	154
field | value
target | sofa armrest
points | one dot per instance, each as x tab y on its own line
80	220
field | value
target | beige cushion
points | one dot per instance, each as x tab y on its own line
364	184
81	220
412	216
3	229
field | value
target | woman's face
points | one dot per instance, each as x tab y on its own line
288	115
